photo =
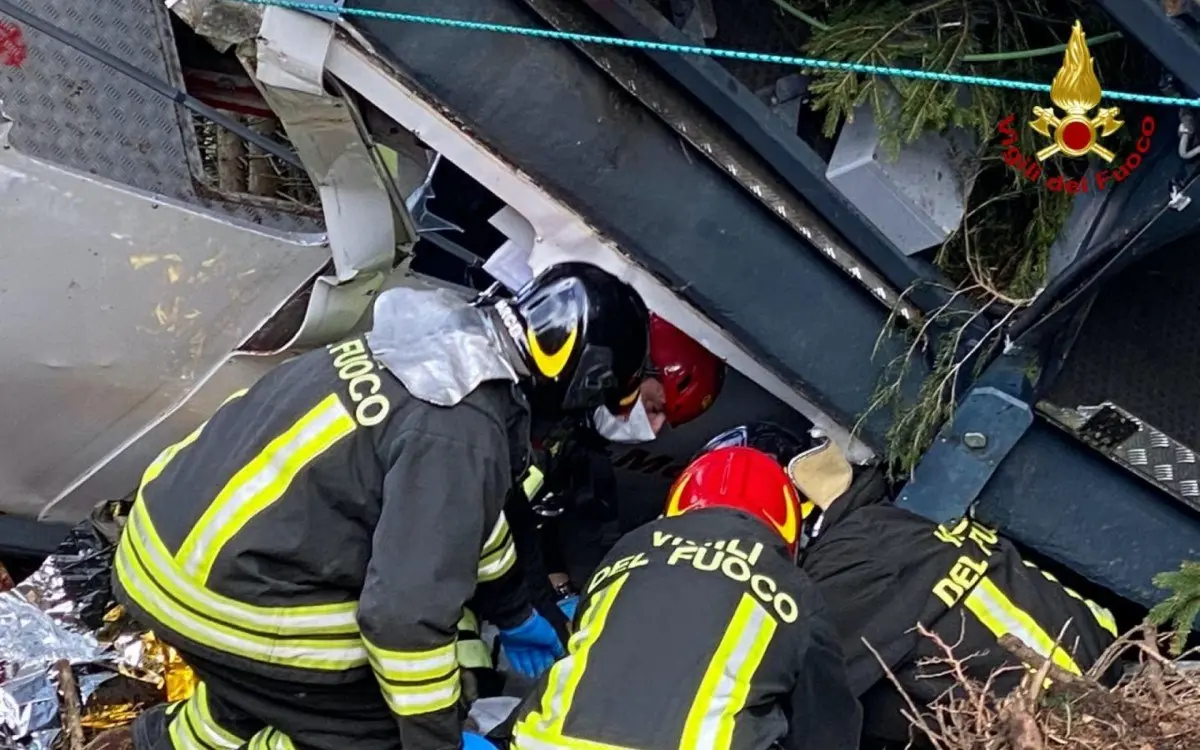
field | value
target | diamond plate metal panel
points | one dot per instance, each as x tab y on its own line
1140	447
77	112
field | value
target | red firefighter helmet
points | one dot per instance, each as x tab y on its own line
742	479
690	374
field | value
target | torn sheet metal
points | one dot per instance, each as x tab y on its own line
358	212
222	22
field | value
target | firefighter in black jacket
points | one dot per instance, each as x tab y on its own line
310	549
883	570
698	631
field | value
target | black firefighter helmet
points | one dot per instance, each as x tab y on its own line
778	443
584	336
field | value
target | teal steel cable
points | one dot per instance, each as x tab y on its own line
684	49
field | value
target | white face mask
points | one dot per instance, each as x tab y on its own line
635	428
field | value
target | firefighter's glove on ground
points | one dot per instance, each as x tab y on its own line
532	646
568	606
475	742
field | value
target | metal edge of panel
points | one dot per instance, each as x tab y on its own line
1062	499
711	140
18	169
562	232
119	473
1134	444
1172	43
681	218
791	157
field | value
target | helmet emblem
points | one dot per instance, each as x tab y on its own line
788	528
552	364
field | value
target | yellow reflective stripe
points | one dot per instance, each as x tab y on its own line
160	462
412	665
261	482
496	540
726	683
416	682
468	622
533	481
546	722
498	554
998	613
413	700
205	617
204	726
1102	616
270	739
472	653
180	734
497	564
332	655
313	619
470	650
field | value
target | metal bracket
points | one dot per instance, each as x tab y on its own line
953	473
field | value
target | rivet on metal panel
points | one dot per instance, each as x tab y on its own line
954	471
975	440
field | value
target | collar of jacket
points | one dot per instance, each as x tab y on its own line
437	344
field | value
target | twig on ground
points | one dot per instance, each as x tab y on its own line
72	712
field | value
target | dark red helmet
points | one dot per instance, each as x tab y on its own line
742	479
691	375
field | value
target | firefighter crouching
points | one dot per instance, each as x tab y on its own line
882	570
570	514
310	549
698	631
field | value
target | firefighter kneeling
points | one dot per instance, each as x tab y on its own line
699	631
884	570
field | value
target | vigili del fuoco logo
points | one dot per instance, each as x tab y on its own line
1076	92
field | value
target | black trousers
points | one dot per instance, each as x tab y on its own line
232	709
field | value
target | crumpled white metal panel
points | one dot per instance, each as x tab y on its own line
114	305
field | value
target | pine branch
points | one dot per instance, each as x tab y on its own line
1181	608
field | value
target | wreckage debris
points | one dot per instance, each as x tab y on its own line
1154	706
69	657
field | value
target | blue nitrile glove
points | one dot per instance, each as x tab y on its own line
532	646
569	605
475	742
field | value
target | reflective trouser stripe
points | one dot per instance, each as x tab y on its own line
726	683
416	682
543	726
194	728
1102	616
470	650
499	554
270	739
261	482
309	637
998	613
